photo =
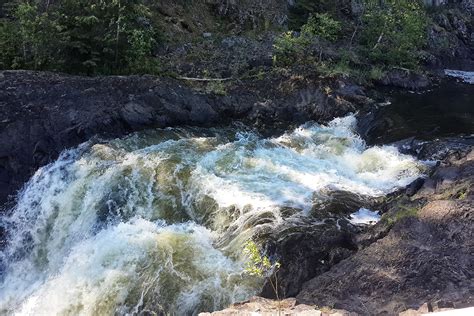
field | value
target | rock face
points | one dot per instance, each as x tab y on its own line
406	79
451	37
424	250
42	114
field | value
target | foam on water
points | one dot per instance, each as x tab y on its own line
156	221
466	76
365	217
140	263
285	171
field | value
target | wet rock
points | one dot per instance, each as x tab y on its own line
339	203
353	93
414	186
404	78
440	149
306	250
426	253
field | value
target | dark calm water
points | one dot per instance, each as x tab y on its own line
447	110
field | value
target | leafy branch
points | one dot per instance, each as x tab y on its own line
260	265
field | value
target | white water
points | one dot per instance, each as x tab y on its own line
365	217
157	220
466	76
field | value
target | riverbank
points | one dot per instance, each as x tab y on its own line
244	134
44	113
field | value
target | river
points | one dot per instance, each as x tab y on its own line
156	221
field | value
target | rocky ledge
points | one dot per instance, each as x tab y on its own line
42	114
289	307
418	258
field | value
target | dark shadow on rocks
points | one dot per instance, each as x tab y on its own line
307	248
339	203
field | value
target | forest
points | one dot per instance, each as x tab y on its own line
124	36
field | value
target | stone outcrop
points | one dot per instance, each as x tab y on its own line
451	37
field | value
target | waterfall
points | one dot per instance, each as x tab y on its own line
156	221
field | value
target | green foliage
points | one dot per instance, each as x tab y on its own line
8	44
141	43
322	25
303	9
216	87
376	73
80	36
394	31
289	47
260	265
341	68
404	212
30	40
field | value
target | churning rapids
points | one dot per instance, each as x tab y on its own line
157	220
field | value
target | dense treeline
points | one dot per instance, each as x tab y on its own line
78	36
120	36
394	31
385	32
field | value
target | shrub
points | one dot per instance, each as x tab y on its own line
8	43
322	25
290	46
376	73
260	265
141	43
394	31
303	9
79	36
30	40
